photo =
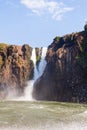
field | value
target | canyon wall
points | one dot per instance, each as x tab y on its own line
15	69
65	76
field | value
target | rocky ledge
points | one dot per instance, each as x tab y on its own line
65	76
15	69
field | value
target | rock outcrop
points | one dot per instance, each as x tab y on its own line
65	76
15	69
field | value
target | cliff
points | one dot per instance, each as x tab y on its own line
15	69
65	76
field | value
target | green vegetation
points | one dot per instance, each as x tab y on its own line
38	58
1	61
19	61
81	48
3	46
82	58
56	39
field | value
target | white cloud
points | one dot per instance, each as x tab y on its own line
39	7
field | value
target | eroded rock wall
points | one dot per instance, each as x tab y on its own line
15	69
65	76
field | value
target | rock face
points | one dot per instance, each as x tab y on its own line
65	76
15	68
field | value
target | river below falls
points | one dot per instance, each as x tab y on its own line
26	115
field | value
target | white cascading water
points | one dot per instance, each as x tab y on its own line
37	73
33	58
42	62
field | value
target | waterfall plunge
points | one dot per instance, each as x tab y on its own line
42	62
37	73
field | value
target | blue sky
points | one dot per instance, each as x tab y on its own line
37	22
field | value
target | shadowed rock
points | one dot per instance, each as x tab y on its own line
65	75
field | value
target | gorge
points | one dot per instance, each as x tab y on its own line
44	88
65	76
58	73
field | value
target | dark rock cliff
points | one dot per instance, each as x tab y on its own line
15	68
65	76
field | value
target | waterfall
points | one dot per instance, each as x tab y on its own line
33	57
42	62
37	74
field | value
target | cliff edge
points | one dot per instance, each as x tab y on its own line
15	69
65	76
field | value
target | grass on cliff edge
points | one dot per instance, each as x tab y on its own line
20	113
3	46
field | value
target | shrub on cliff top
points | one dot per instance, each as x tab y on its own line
56	39
3	46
